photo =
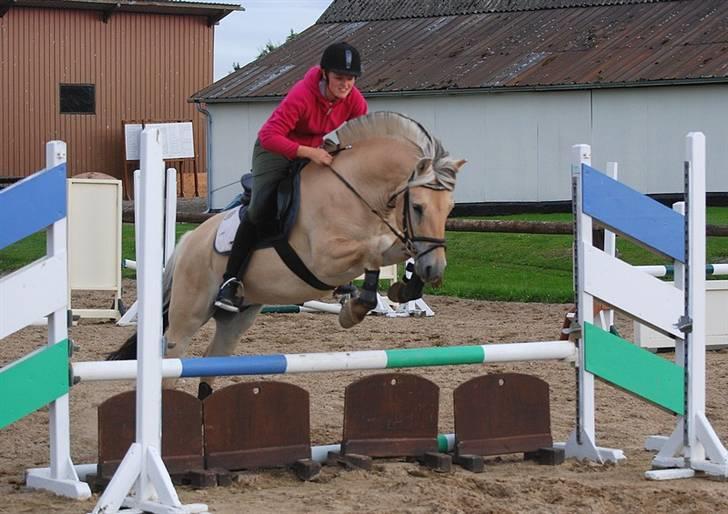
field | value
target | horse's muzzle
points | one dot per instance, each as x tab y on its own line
431	267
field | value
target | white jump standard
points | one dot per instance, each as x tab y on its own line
37	203
677	310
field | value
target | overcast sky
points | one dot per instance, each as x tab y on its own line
241	35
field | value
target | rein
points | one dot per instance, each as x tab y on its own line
407	236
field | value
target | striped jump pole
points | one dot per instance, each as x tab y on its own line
310	306
331	361
668	270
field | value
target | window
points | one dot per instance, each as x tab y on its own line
78	98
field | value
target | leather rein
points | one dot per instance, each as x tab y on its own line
407	236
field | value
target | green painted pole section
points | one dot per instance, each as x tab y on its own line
281	309
417	357
670	270
33	382
633	369
442	445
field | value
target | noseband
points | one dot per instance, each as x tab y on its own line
406	236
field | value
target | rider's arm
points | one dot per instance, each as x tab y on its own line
317	155
273	134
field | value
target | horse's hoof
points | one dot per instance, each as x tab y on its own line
345	319
203	390
353	313
394	292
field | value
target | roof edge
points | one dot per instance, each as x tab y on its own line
213	11
331	16
488	90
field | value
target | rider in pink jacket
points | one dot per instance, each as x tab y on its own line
307	114
325	98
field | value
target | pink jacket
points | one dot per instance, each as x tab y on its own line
305	116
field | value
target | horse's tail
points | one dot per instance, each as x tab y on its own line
128	350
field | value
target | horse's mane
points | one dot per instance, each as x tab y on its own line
392	124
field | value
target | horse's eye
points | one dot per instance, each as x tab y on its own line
418	208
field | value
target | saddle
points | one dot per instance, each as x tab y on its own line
281	206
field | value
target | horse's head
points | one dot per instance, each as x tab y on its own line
428	200
418	181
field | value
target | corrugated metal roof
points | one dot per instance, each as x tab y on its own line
371	10
599	43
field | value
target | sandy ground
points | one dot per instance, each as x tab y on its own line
508	485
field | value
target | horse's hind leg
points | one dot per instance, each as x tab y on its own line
187	314
227	334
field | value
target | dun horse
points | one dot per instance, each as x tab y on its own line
384	199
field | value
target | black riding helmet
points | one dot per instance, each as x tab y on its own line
341	58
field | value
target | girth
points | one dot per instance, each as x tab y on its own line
284	203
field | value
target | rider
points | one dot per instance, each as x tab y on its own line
325	98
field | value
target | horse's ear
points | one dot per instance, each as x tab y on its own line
459	164
423	166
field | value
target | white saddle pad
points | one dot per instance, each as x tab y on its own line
226	231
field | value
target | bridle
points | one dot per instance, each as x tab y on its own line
407	236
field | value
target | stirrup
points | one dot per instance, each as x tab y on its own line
226	297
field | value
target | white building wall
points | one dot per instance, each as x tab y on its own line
643	129
518	144
233	129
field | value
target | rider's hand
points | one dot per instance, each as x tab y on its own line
317	155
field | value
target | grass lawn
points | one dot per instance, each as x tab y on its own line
513	267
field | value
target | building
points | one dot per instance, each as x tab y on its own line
75	69
510	85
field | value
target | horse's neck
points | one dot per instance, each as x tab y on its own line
377	168
335	225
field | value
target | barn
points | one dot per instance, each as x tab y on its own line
76	69
510	85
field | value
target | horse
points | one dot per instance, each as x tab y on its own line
385	198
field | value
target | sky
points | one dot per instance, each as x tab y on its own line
240	36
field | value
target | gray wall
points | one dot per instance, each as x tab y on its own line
518	144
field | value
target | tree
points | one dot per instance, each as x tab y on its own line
270	46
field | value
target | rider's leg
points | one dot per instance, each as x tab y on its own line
229	297
268	169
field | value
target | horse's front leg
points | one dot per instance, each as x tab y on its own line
357	307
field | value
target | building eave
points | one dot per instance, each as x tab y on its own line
487	90
213	12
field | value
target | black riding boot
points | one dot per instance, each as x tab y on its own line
230	296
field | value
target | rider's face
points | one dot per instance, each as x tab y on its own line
338	86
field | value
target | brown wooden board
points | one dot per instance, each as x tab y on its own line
502	413
181	431
256	424
391	415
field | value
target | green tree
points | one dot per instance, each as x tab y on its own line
270	46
